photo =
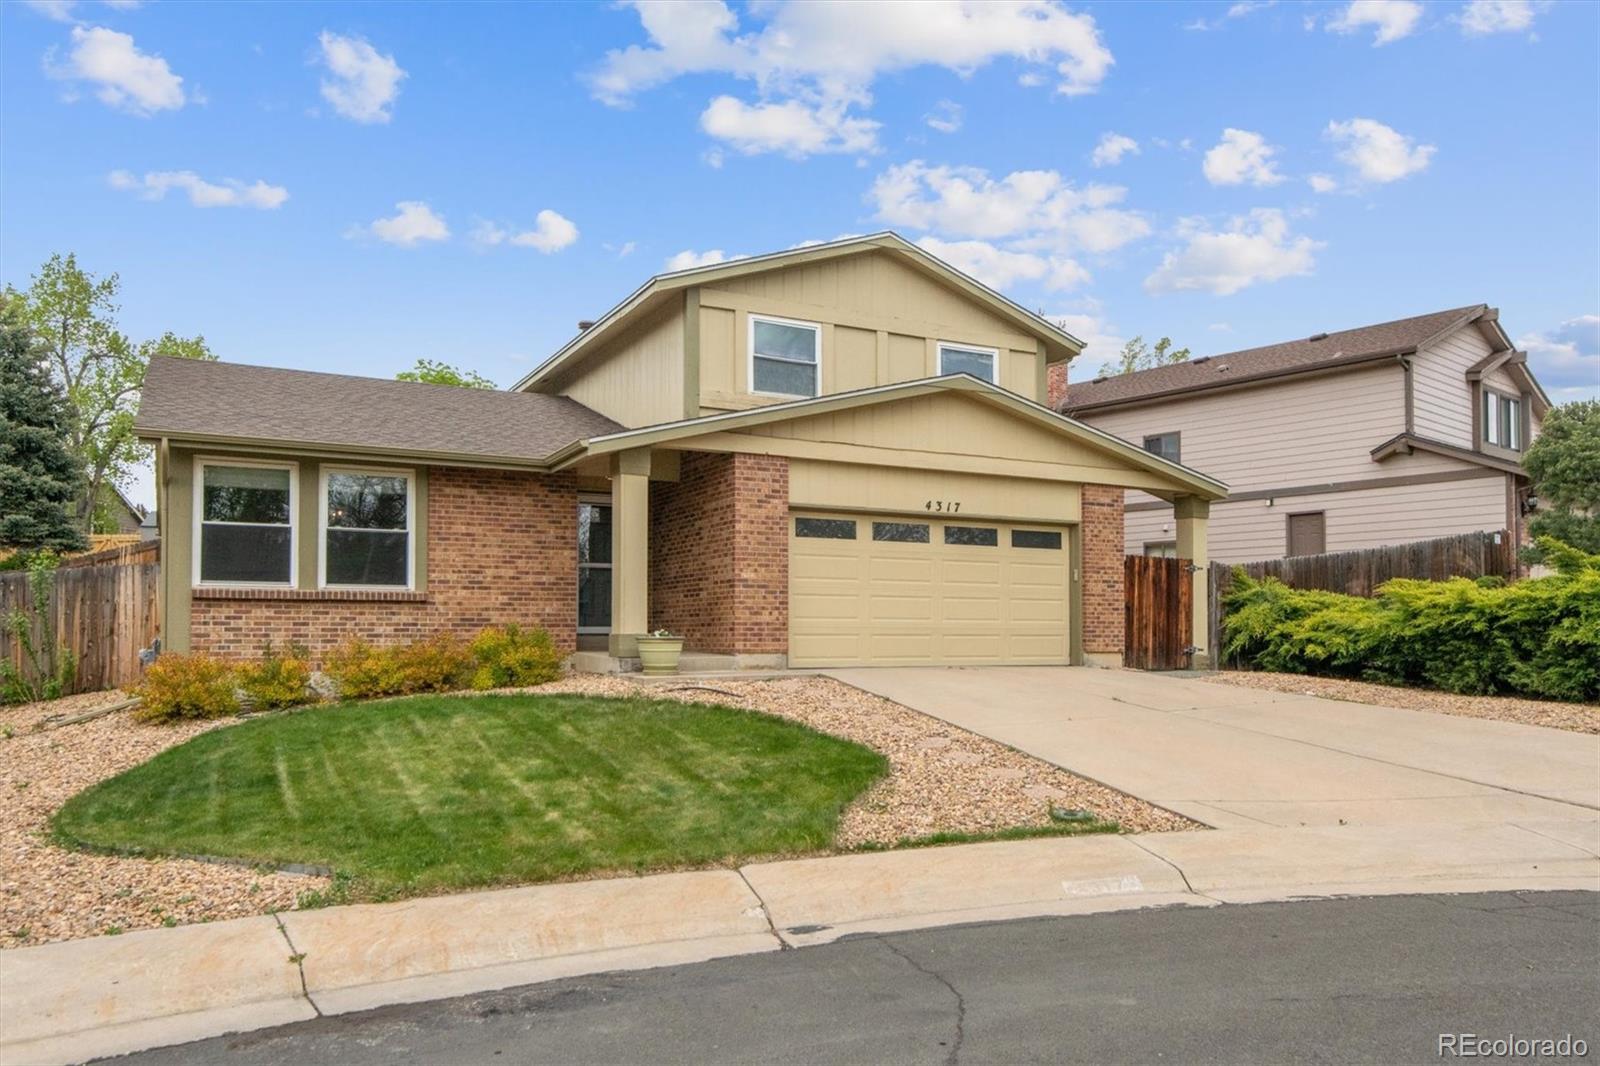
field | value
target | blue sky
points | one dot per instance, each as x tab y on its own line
353	186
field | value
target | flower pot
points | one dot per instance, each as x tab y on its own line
659	655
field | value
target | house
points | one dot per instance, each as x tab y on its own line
127	516
1372	436
838	454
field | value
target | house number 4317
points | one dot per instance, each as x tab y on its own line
948	506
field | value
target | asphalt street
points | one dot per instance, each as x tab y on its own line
1331	981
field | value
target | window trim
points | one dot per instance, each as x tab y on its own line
411	525
1173	544
992	353
750	355
592	499
198	523
1174	433
1500	398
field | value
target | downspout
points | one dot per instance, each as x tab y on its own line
163	521
1411	394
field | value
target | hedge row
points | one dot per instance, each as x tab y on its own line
1539	637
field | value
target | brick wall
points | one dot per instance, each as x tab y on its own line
1103	595
719	554
1055	385
502	547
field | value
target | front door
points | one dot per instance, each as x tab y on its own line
594	566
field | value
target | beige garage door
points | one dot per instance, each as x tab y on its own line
868	590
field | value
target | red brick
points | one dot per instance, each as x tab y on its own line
1104	600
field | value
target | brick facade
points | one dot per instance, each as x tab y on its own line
1055	385
1104	600
719	554
502	547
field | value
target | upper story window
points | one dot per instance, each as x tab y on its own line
784	356
1165	445
981	363
245	518
367	528
1502	420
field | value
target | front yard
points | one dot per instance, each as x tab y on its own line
590	776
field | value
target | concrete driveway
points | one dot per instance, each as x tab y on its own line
1235	757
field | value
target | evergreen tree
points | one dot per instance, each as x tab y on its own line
39	479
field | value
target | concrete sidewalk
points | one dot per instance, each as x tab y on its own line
1235	757
110	995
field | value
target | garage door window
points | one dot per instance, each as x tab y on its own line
825	528
1035	538
905	532
977	536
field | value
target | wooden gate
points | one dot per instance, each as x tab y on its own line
1159	626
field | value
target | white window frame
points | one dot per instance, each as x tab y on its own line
594	499
992	353
410	530
197	542
1497	431
750	354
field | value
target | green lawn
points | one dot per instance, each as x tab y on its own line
436	793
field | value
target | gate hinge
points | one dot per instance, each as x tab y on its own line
1190	568
1190	649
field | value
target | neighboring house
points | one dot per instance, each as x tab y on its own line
837	454
127	515
1373	436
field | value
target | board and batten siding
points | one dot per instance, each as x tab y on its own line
1249	530
638	379
881	323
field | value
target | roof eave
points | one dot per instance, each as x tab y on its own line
278	445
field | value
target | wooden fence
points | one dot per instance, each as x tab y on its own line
1159	617
1359	573
103	607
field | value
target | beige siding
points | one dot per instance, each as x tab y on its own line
881	321
852	487
1443	402
1247	530
638	378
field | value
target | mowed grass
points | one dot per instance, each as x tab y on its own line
429	794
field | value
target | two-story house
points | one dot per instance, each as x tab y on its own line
1372	436
838	454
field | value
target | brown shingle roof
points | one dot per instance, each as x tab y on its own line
190	398
1350	345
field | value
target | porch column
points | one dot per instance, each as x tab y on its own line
1193	514
630	551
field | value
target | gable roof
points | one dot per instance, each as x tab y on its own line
1181	476
191	399
1059	344
1327	350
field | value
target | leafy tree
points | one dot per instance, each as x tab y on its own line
1564	464
74	315
433	372
39	478
1136	355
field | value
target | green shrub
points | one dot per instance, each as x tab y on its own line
1539	637
437	664
362	671
177	687
277	680
510	657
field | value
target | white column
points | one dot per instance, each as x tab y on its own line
1192	515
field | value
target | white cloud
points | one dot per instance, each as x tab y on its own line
1000	268
688	259
58	10
1112	148
1392	19
1220	327
1376	152
825	57
792	127
1253	248
626	250
1101	339
1322	182
551	232
1037	206
364	82
413	223
127	78
1567	359
1482	17
1240	157
123	5
945	117
1235	11
230	193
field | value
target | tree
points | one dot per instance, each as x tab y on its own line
39	479
1564	465
1136	355
433	372
74	315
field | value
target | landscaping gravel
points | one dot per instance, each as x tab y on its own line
1575	717
50	893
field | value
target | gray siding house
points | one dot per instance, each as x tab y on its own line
1378	435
